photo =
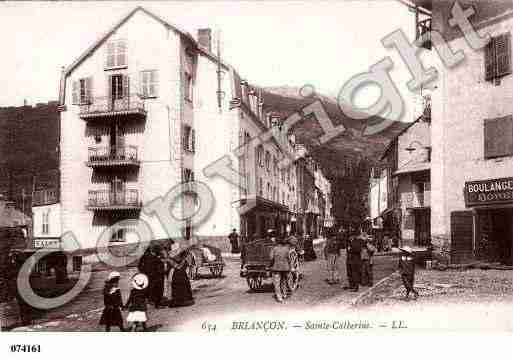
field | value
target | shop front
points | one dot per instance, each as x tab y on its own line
260	215
491	202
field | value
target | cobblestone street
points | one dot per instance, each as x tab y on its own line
226	296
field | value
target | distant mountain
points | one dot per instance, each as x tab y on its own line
350	147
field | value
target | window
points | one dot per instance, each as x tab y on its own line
283	175
188	175
268	190
116	54
260	156
498	137
77	264
188	140
498	57
82	91
149	83
45	222
118	235
268	161
188	87
260	186
275	165
118	86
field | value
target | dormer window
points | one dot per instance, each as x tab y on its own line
116	54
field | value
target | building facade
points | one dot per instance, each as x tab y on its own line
472	140
142	114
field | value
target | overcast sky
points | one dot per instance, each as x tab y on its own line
270	43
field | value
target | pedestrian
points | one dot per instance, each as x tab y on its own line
354	261
181	291
111	315
152	265
280	267
234	241
407	271
310	254
331	254
136	303
368	251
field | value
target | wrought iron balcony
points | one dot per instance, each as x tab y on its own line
114	200
45	197
105	107
109	156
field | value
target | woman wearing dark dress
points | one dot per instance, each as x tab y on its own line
181	291
111	315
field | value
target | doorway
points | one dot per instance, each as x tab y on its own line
422	235
495	235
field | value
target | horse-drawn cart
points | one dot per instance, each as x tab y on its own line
256	264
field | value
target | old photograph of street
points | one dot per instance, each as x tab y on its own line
259	166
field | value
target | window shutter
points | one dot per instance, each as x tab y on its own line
110	55
109	88
193	140
498	137
75	93
154	83
121	53
126	86
503	54
490	60
89	89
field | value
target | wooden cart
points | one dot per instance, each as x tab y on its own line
198	259
256	265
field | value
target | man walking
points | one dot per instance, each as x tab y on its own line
354	261
280	266
234	241
331	254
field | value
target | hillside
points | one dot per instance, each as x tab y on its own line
351	147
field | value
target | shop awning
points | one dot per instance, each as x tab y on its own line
413	167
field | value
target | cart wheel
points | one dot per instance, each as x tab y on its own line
254	283
192	269
216	271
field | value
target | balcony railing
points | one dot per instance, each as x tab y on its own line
106	156
418	199
114	200
424	30
45	197
132	105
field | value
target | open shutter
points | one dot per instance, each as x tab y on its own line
89	89
503	54
110	62
126	86
75	93
154	83
489	60
121	53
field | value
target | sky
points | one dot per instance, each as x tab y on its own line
271	43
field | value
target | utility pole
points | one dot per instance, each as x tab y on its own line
220	93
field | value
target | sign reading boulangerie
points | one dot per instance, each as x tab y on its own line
494	191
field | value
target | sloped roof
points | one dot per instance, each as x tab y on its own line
117	25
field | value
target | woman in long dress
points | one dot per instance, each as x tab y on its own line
181	291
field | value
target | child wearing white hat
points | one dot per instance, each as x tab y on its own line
137	302
407	270
111	315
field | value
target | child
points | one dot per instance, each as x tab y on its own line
111	315
137	301
368	251
407	271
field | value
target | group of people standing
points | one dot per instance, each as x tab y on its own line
359	260
161	280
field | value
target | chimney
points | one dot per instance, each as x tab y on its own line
205	39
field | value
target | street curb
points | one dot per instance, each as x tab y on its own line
365	297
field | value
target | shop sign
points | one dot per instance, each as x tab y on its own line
495	191
51	243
